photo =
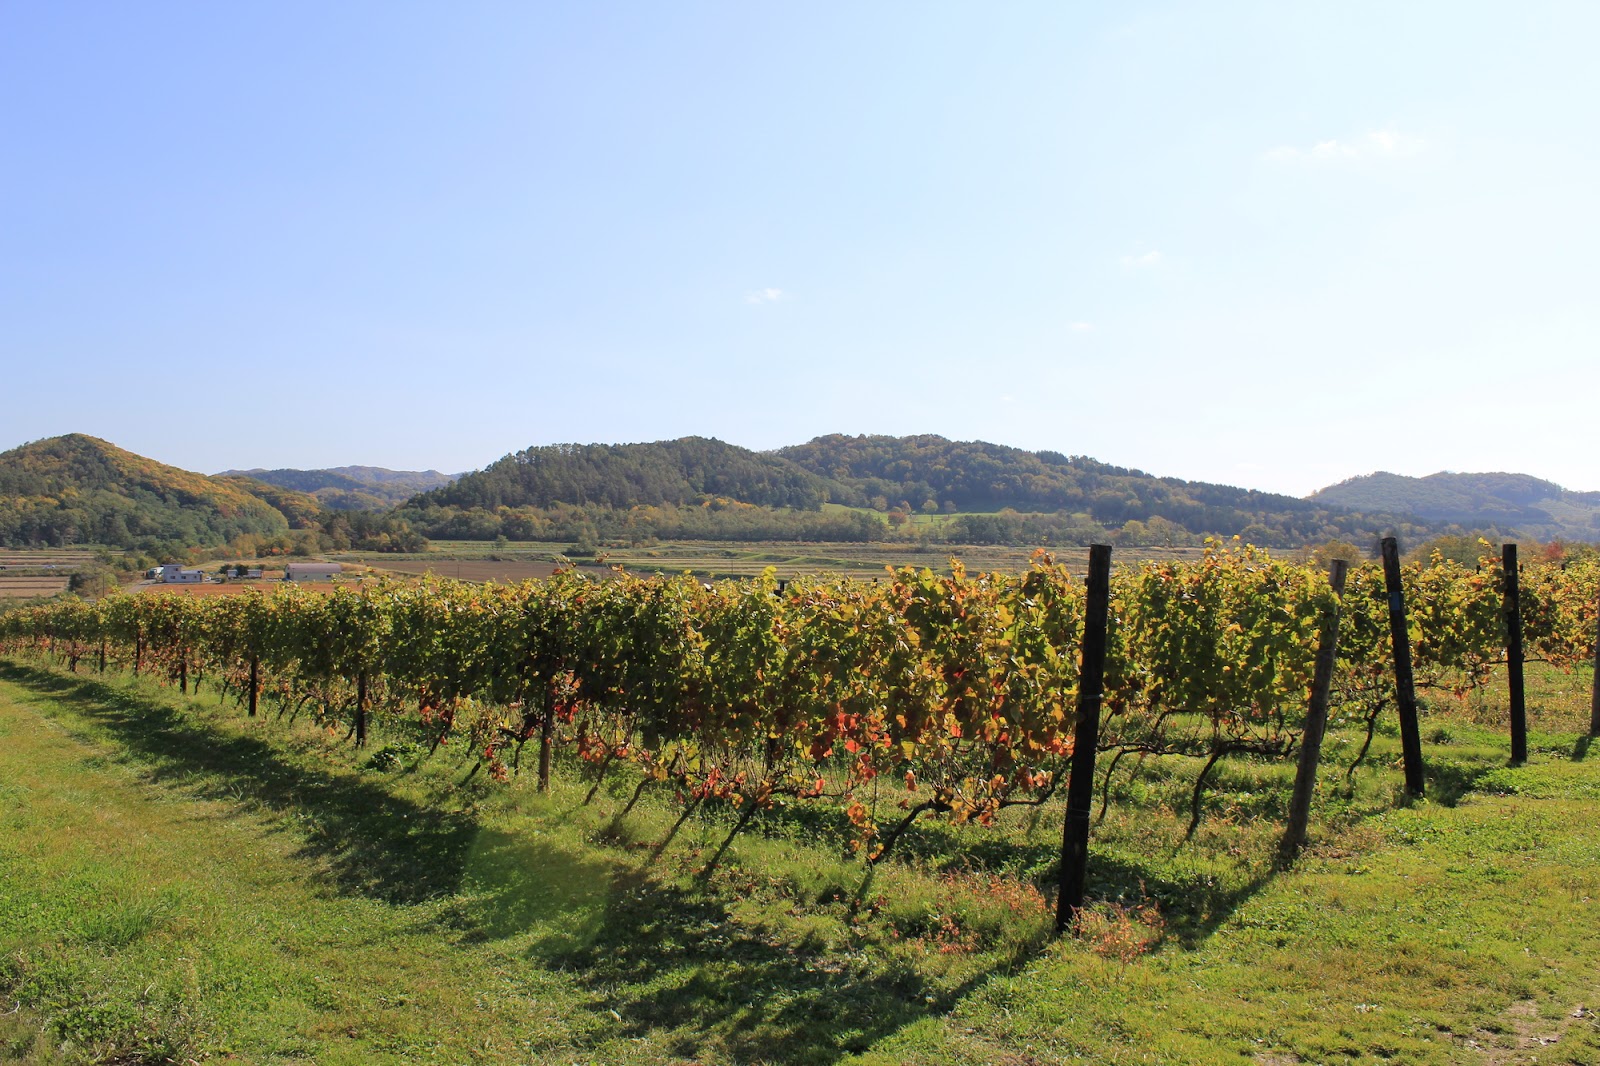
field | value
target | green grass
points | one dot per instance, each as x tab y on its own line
181	882
177	882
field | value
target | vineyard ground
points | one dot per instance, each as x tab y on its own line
177	882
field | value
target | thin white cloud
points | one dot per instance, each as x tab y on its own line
765	296
1377	144
1146	261
1082	327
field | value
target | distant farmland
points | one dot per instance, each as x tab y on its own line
208	588
65	560
27	588
27	574
506	572
712	560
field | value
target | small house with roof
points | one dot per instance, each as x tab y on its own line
311	571
175	574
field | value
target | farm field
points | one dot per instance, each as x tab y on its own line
30	587
54	558
201	590
33	574
507	571
734	559
331	905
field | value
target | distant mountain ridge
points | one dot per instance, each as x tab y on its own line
77	489
1502	501
352	488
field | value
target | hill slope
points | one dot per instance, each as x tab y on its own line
1497	500
930	472
352	488
78	489
1083	497
302	510
673	472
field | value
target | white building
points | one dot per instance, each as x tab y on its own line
174	574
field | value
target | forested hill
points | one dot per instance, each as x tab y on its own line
78	489
989	488
1481	501
930	473
673	472
301	509
352	488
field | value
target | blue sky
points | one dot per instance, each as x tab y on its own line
1268	244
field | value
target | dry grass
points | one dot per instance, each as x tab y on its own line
508	572
60	557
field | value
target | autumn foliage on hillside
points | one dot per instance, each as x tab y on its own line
78	489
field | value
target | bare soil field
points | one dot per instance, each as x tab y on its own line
25	588
27	573
59	558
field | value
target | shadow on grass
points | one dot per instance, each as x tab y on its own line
1448	782
672	961
1580	750
373	843
676	962
679	965
1193	907
512	882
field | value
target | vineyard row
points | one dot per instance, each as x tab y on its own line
957	693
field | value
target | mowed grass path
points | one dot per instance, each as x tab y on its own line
153	917
178	883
